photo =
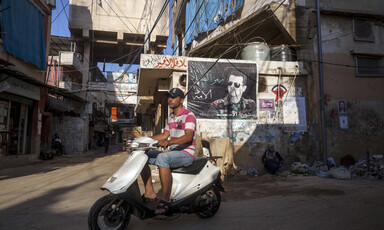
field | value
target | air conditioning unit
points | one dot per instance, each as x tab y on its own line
183	80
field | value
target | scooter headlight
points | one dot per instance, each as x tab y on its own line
134	145
143	145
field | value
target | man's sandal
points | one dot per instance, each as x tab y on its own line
148	200
162	208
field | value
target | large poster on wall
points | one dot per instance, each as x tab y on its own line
223	90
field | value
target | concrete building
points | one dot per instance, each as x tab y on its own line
288	94
66	114
23	57
115	32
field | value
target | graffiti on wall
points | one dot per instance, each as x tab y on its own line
149	61
266	129
222	90
171	63
280	91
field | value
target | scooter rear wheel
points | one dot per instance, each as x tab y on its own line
209	203
106	214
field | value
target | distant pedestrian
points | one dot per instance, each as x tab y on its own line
107	140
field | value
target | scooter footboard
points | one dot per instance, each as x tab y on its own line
133	198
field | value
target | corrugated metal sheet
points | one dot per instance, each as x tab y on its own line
202	16
22	31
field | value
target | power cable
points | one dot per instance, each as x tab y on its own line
149	35
118	16
64	10
197	12
230	48
60	13
122	19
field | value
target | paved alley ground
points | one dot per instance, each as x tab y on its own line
58	193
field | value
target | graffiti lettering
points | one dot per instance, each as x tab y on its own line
171	63
242	115
209	77
199	94
150	61
327	98
217	81
299	92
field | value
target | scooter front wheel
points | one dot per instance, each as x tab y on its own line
109	213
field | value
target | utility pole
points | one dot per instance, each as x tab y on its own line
322	107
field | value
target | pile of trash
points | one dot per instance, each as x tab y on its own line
371	167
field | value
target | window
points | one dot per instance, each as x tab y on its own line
369	66
363	30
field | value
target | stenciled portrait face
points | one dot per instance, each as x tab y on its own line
236	88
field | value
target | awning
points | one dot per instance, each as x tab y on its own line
263	23
50	89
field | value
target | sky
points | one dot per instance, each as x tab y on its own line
60	28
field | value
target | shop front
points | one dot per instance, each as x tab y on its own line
17	101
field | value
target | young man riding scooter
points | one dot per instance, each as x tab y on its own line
180	127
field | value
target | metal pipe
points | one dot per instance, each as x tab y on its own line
322	107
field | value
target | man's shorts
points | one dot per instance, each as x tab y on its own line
169	158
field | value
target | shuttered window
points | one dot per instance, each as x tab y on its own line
363	30
367	66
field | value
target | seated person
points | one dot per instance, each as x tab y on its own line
272	159
57	144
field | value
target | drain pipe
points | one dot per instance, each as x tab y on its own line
322	107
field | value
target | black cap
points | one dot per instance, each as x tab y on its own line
176	92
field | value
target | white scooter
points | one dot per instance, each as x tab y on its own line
195	189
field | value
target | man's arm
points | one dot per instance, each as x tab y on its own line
161	136
187	138
164	142
263	157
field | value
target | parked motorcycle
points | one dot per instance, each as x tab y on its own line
195	189
57	146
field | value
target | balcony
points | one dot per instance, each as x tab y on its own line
70	61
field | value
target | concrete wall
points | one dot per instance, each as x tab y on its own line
74	133
134	16
357	6
250	138
363	94
364	99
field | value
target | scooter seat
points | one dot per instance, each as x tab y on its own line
194	168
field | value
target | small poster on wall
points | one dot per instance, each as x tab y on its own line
266	104
294	114
342	106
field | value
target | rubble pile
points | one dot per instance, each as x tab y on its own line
299	168
376	167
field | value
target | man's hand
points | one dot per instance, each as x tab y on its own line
163	143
